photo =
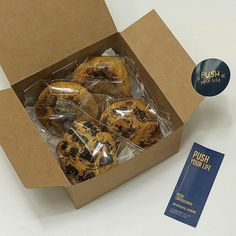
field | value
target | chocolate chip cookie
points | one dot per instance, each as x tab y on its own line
86	151
104	75
57	105
134	121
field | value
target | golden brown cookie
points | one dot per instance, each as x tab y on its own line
132	120
56	105
104	75
86	151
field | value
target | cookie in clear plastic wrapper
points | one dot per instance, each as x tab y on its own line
86	151
133	120
104	75
56	105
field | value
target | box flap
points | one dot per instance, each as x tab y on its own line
166	61
37	34
29	154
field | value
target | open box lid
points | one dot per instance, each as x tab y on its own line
37	34
166	61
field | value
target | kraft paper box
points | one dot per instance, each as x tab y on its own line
37	39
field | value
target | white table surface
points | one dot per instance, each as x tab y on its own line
205	29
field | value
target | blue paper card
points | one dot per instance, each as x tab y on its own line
194	185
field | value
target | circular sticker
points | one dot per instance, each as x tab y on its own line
210	77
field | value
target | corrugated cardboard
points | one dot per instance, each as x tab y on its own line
37	34
51	35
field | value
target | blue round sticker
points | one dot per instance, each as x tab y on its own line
210	77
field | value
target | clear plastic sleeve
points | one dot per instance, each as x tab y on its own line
139	122
88	149
55	104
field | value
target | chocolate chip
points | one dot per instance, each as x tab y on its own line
120	128
91	128
75	138
102	71
125	134
140	114
105	120
85	154
71	170
93	132
83	139
142	144
70	97
64	145
104	128
131	130
88	125
73	151
90	175
70	131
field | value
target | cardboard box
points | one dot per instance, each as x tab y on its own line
37	39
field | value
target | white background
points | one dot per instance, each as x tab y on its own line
205	29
